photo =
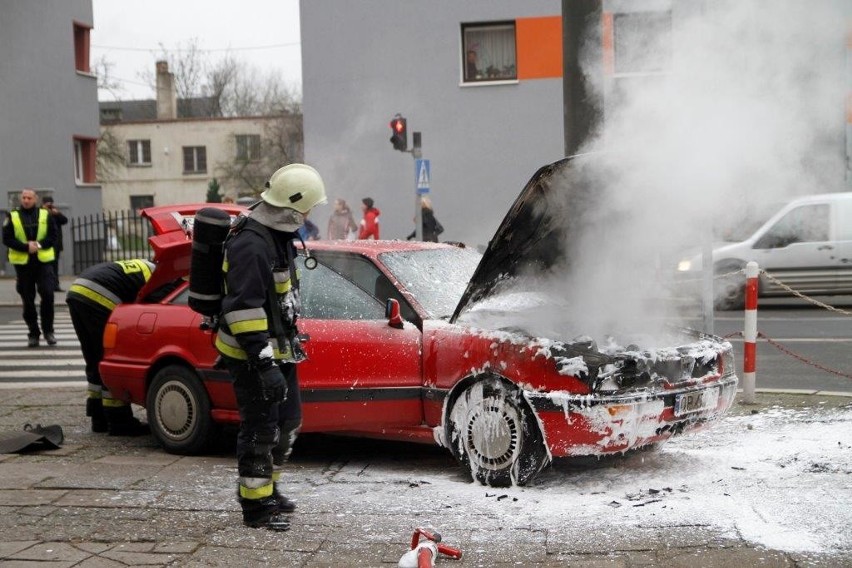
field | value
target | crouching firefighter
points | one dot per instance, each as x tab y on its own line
91	299
257	338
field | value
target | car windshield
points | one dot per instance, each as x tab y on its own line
436	277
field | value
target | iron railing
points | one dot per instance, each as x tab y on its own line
111	235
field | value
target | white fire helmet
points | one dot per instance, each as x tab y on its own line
296	186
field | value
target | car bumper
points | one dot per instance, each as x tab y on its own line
584	425
125	382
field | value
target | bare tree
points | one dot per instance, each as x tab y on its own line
237	89
110	156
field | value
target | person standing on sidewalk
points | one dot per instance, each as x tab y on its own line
61	220
258	338
370	222
30	233
91	299
341	222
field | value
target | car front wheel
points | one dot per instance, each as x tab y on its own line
493	433
179	410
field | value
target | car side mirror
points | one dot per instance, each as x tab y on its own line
392	312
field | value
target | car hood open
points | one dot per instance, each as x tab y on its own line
533	236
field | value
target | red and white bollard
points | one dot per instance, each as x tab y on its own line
750	332
423	554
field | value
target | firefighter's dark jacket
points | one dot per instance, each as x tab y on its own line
246	325
30	221
110	283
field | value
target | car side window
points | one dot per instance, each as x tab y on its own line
805	224
327	295
367	277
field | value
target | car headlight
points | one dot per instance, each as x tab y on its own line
684	266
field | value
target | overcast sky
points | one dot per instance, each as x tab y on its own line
132	36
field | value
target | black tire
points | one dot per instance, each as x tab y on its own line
730	293
493	434
179	411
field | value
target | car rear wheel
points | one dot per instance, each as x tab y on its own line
179	410
493	433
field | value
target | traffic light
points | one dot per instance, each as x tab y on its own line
399	133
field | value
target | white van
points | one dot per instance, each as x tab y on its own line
807	245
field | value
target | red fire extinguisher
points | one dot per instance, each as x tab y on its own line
423	554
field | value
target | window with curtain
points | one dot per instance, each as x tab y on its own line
488	52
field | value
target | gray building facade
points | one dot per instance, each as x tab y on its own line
721	81
49	112
365	61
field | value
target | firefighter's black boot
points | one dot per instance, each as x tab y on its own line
285	505
264	513
123	423
95	410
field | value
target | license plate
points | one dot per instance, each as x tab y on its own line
697	401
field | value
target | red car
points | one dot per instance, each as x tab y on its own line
503	401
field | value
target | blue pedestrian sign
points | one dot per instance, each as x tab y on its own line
422	176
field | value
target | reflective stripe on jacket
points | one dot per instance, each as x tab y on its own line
111	283
21	257
246	324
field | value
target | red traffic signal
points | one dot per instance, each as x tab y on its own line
399	133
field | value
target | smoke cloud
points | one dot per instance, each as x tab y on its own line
746	112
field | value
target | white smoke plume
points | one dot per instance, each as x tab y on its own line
747	113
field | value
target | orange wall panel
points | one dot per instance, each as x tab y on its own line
539	47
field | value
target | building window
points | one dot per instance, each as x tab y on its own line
85	159
489	52
81	47
248	147
110	115
139	152
139	202
642	42
195	159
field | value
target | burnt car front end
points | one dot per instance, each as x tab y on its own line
633	397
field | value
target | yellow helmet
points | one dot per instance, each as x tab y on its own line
296	186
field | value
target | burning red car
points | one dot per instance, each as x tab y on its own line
503	401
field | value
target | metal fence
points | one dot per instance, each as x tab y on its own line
112	235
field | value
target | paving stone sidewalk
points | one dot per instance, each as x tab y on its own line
101	501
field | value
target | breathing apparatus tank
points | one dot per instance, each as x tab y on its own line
209	233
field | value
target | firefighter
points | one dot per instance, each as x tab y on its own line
30	233
91	299
257	338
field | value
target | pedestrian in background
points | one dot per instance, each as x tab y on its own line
30	233
309	231
431	226
91	299
341	222
61	220
370	221
258	339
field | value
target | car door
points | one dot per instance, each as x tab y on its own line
361	373
841	254
797	250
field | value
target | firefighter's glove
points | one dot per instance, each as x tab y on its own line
273	387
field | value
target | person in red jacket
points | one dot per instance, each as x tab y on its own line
370	222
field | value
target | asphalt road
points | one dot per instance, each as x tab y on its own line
810	348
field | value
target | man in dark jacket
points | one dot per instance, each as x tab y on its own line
91	299
61	220
258	342
30	233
